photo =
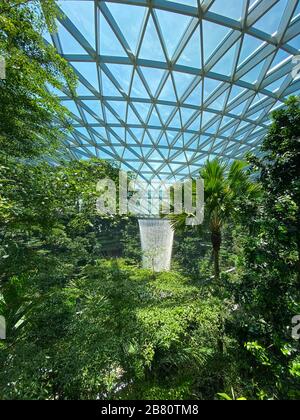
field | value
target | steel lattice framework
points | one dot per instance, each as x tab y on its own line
165	85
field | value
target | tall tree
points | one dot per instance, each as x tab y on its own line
32	120
269	293
32	123
224	187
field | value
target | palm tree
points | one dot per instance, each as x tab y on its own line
224	186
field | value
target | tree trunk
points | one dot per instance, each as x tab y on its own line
216	239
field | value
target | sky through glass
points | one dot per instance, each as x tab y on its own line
165	85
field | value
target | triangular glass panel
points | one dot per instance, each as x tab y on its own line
89	118
250	45
297	11
270	22
225	120
225	64
108	88
168	93
191	55
153	78
120	107
168	21
123	74
131	117
154	118
47	37
138	89
195	97
194	125
165	112
151	47
206	117
233	9
82	90
83	17
83	131
142	109
210	85
88	72
235	92
295	42
138	133
213	129
279	58
218	104
129	18
101	132
71	106
110	118
95	107
109	43
182	82
154	137
68	42
176	122
186	114
213	35
253	75
238	110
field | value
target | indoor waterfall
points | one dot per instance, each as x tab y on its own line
157	242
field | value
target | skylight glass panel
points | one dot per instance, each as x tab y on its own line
182	82
129	20
108	87
169	81
249	46
122	74
213	35
270	22
81	14
230	8
191	55
88	71
151	48
295	42
210	85
195	97
153	78
68	42
109	43
168	92
138	89
168	22
225	64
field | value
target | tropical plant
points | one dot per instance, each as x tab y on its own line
224	187
32	119
114	333
268	291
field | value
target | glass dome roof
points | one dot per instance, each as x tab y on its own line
165	85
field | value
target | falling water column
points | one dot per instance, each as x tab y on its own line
157	243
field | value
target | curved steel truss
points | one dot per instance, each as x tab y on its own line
164	85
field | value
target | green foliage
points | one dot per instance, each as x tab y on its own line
224	187
157	329
29	112
49	229
131	241
268	293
